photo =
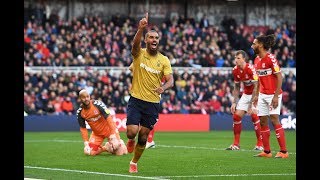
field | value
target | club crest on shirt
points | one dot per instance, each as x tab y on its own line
263	65
276	68
95	111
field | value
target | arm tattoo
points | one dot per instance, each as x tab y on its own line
236	92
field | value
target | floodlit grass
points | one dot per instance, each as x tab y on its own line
200	155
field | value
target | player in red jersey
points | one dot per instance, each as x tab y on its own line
269	97
245	73
96	114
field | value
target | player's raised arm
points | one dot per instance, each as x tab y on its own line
137	38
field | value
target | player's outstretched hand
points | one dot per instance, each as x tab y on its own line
144	22
87	148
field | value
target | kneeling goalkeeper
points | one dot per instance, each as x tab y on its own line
97	116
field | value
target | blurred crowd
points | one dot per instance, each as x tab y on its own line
90	41
56	93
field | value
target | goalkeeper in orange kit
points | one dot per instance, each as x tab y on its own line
103	127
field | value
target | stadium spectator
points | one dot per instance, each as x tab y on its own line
244	73
67	106
204	21
149	67
98	117
270	94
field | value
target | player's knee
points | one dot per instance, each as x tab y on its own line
132	131
131	134
236	118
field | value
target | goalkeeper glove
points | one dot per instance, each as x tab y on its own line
87	148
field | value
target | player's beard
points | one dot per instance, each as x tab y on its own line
256	50
153	50
86	103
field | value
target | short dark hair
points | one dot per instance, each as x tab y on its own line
152	30
244	54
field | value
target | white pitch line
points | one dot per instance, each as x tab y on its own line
158	145
208	148
90	172
228	175
160	177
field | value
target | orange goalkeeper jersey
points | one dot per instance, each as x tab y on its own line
98	119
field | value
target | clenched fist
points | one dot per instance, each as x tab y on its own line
143	22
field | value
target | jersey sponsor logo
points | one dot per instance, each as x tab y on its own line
264	72
149	69
94	118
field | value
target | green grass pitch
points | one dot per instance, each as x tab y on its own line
178	155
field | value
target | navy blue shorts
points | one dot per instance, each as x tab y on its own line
142	112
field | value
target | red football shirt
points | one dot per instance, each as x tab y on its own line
247	75
266	69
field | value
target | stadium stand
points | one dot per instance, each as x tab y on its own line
60	58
